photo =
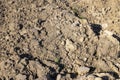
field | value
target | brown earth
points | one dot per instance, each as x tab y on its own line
59	39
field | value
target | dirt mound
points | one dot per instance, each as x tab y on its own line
59	40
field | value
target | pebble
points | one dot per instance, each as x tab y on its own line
109	33
34	42
40	71
70	46
76	24
84	21
23	61
104	25
21	77
58	77
105	74
50	1
11	26
62	42
23	31
83	70
91	77
81	39
97	78
7	37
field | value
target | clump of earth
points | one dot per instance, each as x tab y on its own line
59	39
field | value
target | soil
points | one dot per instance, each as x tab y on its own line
59	39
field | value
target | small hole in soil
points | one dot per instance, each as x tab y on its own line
73	75
20	26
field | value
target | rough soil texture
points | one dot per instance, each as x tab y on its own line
59	39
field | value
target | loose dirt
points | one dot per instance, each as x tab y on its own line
59	39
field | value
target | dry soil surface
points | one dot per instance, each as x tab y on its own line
59	39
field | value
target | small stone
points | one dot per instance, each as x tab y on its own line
58	32
21	77
100	75
81	78
85	59
58	77
50	1
84	21
23	31
97	78
40	71
70	46
91	77
34	42
7	37
62	42
83	70
76	24
109	33
104	25
81	39
23	61
11	26
101	64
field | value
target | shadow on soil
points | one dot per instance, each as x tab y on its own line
116	37
96	28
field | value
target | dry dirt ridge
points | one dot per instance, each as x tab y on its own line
59	39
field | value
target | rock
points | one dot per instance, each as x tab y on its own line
105	76
98	78
90	77
21	77
7	37
11	26
108	45
70	46
34	42
22	32
62	42
84	21
101	65
103	11
104	25
58	77
109	33
40	71
81	39
81	78
83	70
50	1
23	61
76	24
32	66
